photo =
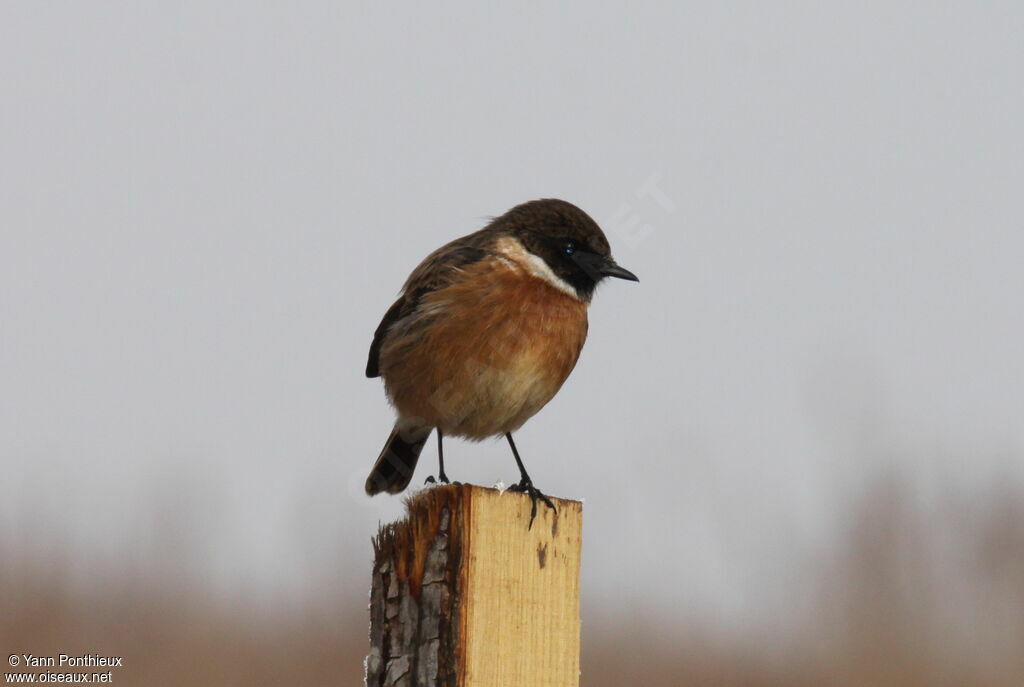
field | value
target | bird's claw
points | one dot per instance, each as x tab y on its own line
535	494
442	479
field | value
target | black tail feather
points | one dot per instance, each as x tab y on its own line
397	461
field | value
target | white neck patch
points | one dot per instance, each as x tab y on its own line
534	264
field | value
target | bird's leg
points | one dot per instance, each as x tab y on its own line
526	484
441	477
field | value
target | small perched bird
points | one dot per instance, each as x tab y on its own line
484	333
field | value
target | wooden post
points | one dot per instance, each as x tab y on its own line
465	595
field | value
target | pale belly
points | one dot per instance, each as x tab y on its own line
495	397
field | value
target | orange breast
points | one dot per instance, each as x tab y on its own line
484	354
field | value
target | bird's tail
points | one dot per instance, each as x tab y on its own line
397	461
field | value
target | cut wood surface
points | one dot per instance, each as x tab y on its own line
466	594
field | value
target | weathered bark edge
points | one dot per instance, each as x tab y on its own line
416	592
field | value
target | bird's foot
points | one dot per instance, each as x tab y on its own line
441	479
525	486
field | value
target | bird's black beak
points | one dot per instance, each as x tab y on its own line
611	269
599	267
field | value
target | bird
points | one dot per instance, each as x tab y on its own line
484	333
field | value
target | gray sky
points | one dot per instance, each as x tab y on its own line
205	210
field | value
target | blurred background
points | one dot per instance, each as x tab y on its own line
799	437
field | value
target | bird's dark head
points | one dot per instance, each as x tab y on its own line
567	240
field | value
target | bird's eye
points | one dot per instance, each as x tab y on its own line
569	248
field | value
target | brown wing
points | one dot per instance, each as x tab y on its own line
403	306
438	270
